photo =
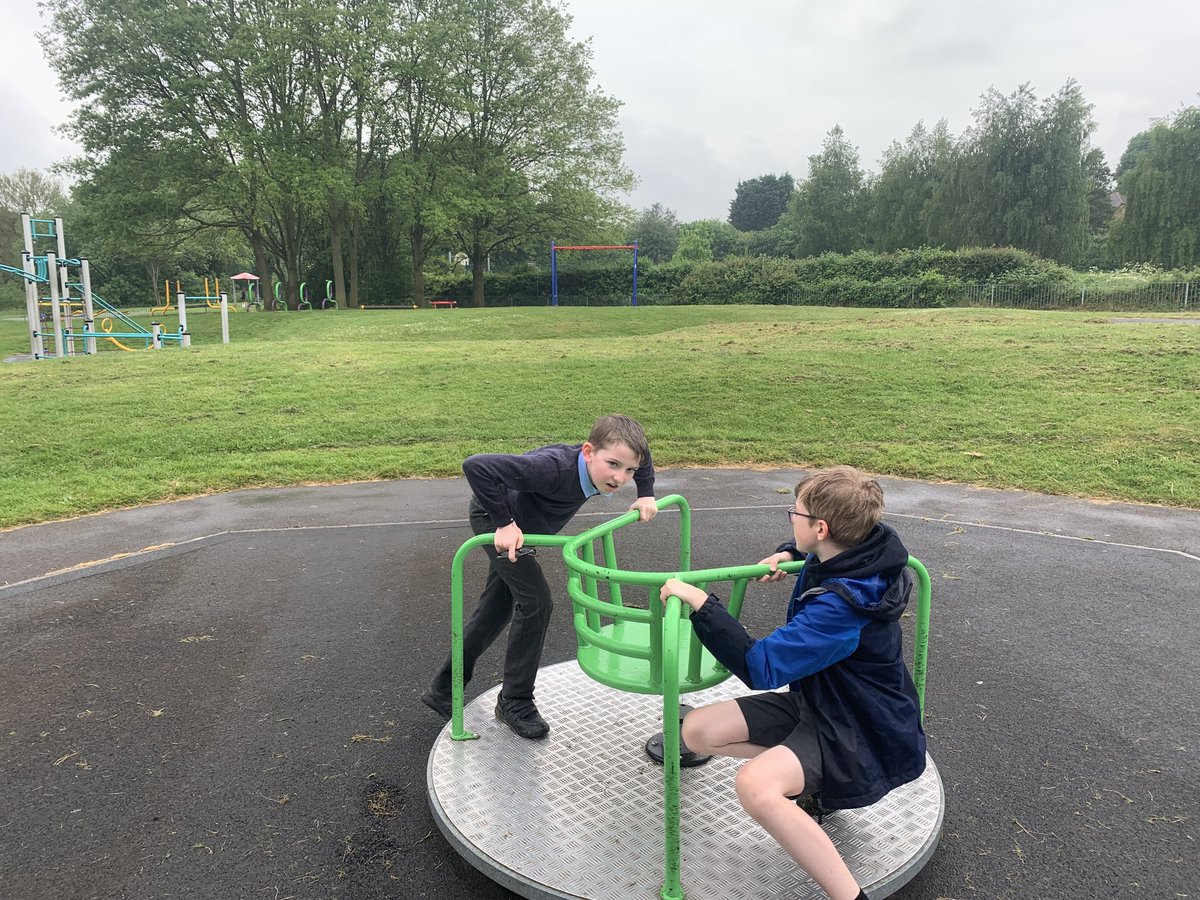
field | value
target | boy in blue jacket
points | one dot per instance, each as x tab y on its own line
849	728
538	492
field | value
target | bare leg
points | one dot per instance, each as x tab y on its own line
719	729
763	786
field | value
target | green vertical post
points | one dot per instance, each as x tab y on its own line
457	731
657	661
591	587
672	888
921	629
685	532
610	562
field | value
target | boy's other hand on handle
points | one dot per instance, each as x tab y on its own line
773	561
509	539
646	507
688	593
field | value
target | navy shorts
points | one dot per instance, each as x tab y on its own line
784	718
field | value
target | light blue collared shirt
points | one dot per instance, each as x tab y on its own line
585	480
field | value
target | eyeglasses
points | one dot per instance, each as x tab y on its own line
792	513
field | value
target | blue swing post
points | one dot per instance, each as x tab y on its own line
554	248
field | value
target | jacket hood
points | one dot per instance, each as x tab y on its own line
872	576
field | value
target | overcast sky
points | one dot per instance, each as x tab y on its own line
719	92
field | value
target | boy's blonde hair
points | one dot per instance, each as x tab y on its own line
850	502
617	429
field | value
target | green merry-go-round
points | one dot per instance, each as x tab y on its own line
587	813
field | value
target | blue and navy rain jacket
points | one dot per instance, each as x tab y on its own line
841	647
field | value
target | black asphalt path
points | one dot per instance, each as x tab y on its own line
222	703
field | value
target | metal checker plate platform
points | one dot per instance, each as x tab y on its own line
579	814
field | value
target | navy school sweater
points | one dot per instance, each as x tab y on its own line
539	490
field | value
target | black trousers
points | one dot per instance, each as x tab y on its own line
513	591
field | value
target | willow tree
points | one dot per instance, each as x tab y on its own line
1023	172
911	184
1160	180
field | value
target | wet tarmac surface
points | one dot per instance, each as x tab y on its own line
223	701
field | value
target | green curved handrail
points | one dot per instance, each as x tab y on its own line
650	649
921	629
457	731
585	573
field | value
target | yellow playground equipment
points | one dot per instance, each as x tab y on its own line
68	316
209	300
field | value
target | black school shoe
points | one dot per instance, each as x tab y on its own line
439	703
523	720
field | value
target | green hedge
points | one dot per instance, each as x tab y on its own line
923	277
598	286
920	278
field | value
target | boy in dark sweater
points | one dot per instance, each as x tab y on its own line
536	492
849	729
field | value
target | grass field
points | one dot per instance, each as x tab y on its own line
1062	403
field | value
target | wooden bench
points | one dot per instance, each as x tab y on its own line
443	304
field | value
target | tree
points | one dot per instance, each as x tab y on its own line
422	105
126	219
707	239
1137	146
298	122
694	246
1162	196
28	190
531	141
1065	176
656	231
778	240
759	202
902	198
236	107
1023	172
353	107
1100	184
25	190
824	214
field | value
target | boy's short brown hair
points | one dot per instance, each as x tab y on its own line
850	502
617	429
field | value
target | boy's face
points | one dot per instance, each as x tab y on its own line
807	529
610	467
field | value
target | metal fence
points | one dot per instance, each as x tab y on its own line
1177	296
902	293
